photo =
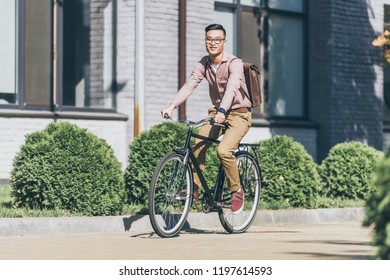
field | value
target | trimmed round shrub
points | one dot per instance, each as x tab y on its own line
145	152
347	171
64	167
289	174
377	210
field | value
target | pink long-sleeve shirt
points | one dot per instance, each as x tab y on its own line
227	88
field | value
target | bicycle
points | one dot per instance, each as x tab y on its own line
173	177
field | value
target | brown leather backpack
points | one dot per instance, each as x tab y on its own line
252	73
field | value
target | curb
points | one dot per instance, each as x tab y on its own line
75	225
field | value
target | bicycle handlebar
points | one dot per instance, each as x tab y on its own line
195	124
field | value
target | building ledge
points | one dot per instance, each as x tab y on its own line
285	123
14	113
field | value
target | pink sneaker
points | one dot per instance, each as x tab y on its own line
237	201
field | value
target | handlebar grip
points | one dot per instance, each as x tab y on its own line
166	116
212	122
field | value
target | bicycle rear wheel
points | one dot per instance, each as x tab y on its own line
250	179
170	195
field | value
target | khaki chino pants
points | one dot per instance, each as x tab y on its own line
237	125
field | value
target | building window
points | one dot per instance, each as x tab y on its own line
285	66
37	54
8	52
270	33
66	58
87	52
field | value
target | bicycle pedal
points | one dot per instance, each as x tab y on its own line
206	208
220	204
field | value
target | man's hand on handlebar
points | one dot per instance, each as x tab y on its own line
219	118
167	112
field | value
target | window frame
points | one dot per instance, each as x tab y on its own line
58	90
55	104
264	10
18	61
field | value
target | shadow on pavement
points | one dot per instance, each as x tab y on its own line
127	222
350	254
323	256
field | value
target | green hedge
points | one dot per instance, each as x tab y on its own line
347	171
378	208
145	152
289	174
65	167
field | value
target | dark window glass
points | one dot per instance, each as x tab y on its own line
37	53
250	42
285	67
88	54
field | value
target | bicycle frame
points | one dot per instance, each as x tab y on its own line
170	202
211	198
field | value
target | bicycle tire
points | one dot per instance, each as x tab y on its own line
250	179
168	207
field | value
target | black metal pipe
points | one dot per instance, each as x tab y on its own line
182	52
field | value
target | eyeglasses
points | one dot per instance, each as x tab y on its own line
210	40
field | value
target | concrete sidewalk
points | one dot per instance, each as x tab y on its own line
326	241
76	225
319	234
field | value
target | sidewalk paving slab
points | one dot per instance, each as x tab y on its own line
74	225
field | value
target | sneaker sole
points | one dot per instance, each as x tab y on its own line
242	207
239	210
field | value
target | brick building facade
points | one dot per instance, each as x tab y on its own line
131	68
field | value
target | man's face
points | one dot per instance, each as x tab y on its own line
213	37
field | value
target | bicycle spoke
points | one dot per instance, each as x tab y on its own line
167	208
251	182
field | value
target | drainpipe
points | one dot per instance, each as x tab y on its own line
182	52
139	98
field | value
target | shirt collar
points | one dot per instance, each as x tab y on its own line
225	57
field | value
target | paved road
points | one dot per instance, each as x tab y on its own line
336	241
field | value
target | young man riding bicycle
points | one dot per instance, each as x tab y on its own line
231	106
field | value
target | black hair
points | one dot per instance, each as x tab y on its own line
215	26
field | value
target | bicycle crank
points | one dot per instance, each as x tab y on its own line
206	207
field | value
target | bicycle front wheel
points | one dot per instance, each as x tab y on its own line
250	179
170	195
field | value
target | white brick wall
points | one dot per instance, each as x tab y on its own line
199	15
13	132
161	56
126	61
114	132
161	53
306	136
